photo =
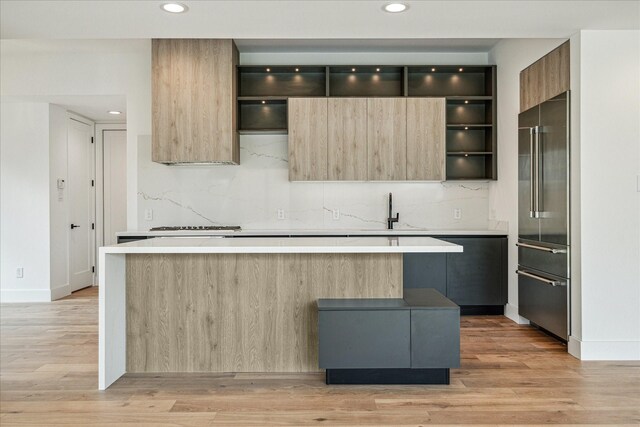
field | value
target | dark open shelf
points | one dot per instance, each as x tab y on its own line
366	81
281	81
470	94
469	112
477	167
268	117
438	80
472	139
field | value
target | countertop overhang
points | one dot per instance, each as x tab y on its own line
219	245
319	232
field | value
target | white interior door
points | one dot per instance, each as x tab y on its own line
81	204
115	183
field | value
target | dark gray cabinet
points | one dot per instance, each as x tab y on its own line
410	340
475	279
378	337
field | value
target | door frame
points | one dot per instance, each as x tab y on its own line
93	255
99	179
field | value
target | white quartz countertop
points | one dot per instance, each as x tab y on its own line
324	232
257	245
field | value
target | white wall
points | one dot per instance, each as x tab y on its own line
24	201
608	99
511	56
75	67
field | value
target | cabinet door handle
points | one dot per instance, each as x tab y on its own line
74	226
541	248
538	131
540	278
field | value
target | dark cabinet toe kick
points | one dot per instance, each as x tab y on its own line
388	376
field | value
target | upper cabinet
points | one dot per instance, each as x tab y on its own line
426	139
367	139
545	78
307	139
387	139
347	139
194	101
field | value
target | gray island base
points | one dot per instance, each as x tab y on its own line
409	340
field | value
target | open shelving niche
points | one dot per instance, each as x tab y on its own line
470	92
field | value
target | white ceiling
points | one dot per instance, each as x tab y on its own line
92	107
314	19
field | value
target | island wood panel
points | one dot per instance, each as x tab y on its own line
387	139
241	312
347	139
307	139
426	139
194	101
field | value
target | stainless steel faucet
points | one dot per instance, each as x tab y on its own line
391	219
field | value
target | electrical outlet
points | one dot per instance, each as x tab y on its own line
281	214
457	213
148	214
20	272
335	214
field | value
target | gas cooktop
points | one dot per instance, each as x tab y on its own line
198	228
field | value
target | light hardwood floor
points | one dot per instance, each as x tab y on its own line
510	375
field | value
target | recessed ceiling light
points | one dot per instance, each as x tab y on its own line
395	7
114	112
174	7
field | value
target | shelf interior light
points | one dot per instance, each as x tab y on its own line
174	7
395	7
114	112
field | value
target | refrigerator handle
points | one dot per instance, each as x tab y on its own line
541	248
536	188
532	173
540	278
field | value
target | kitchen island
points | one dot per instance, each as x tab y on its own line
207	304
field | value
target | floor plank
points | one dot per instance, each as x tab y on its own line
510	374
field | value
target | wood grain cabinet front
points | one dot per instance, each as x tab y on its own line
546	78
347	144
194	101
387	139
426	139
307	139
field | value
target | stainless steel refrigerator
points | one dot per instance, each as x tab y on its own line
543	216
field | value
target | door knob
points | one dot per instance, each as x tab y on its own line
74	226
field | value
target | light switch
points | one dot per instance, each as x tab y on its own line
148	214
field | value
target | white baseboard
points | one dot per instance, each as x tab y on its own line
60	292
604	350
511	311
25	295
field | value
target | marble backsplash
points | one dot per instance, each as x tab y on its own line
251	194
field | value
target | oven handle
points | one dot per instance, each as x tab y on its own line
540	278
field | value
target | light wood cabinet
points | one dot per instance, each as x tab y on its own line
307	139
347	139
546	78
387	139
426	139
194	101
